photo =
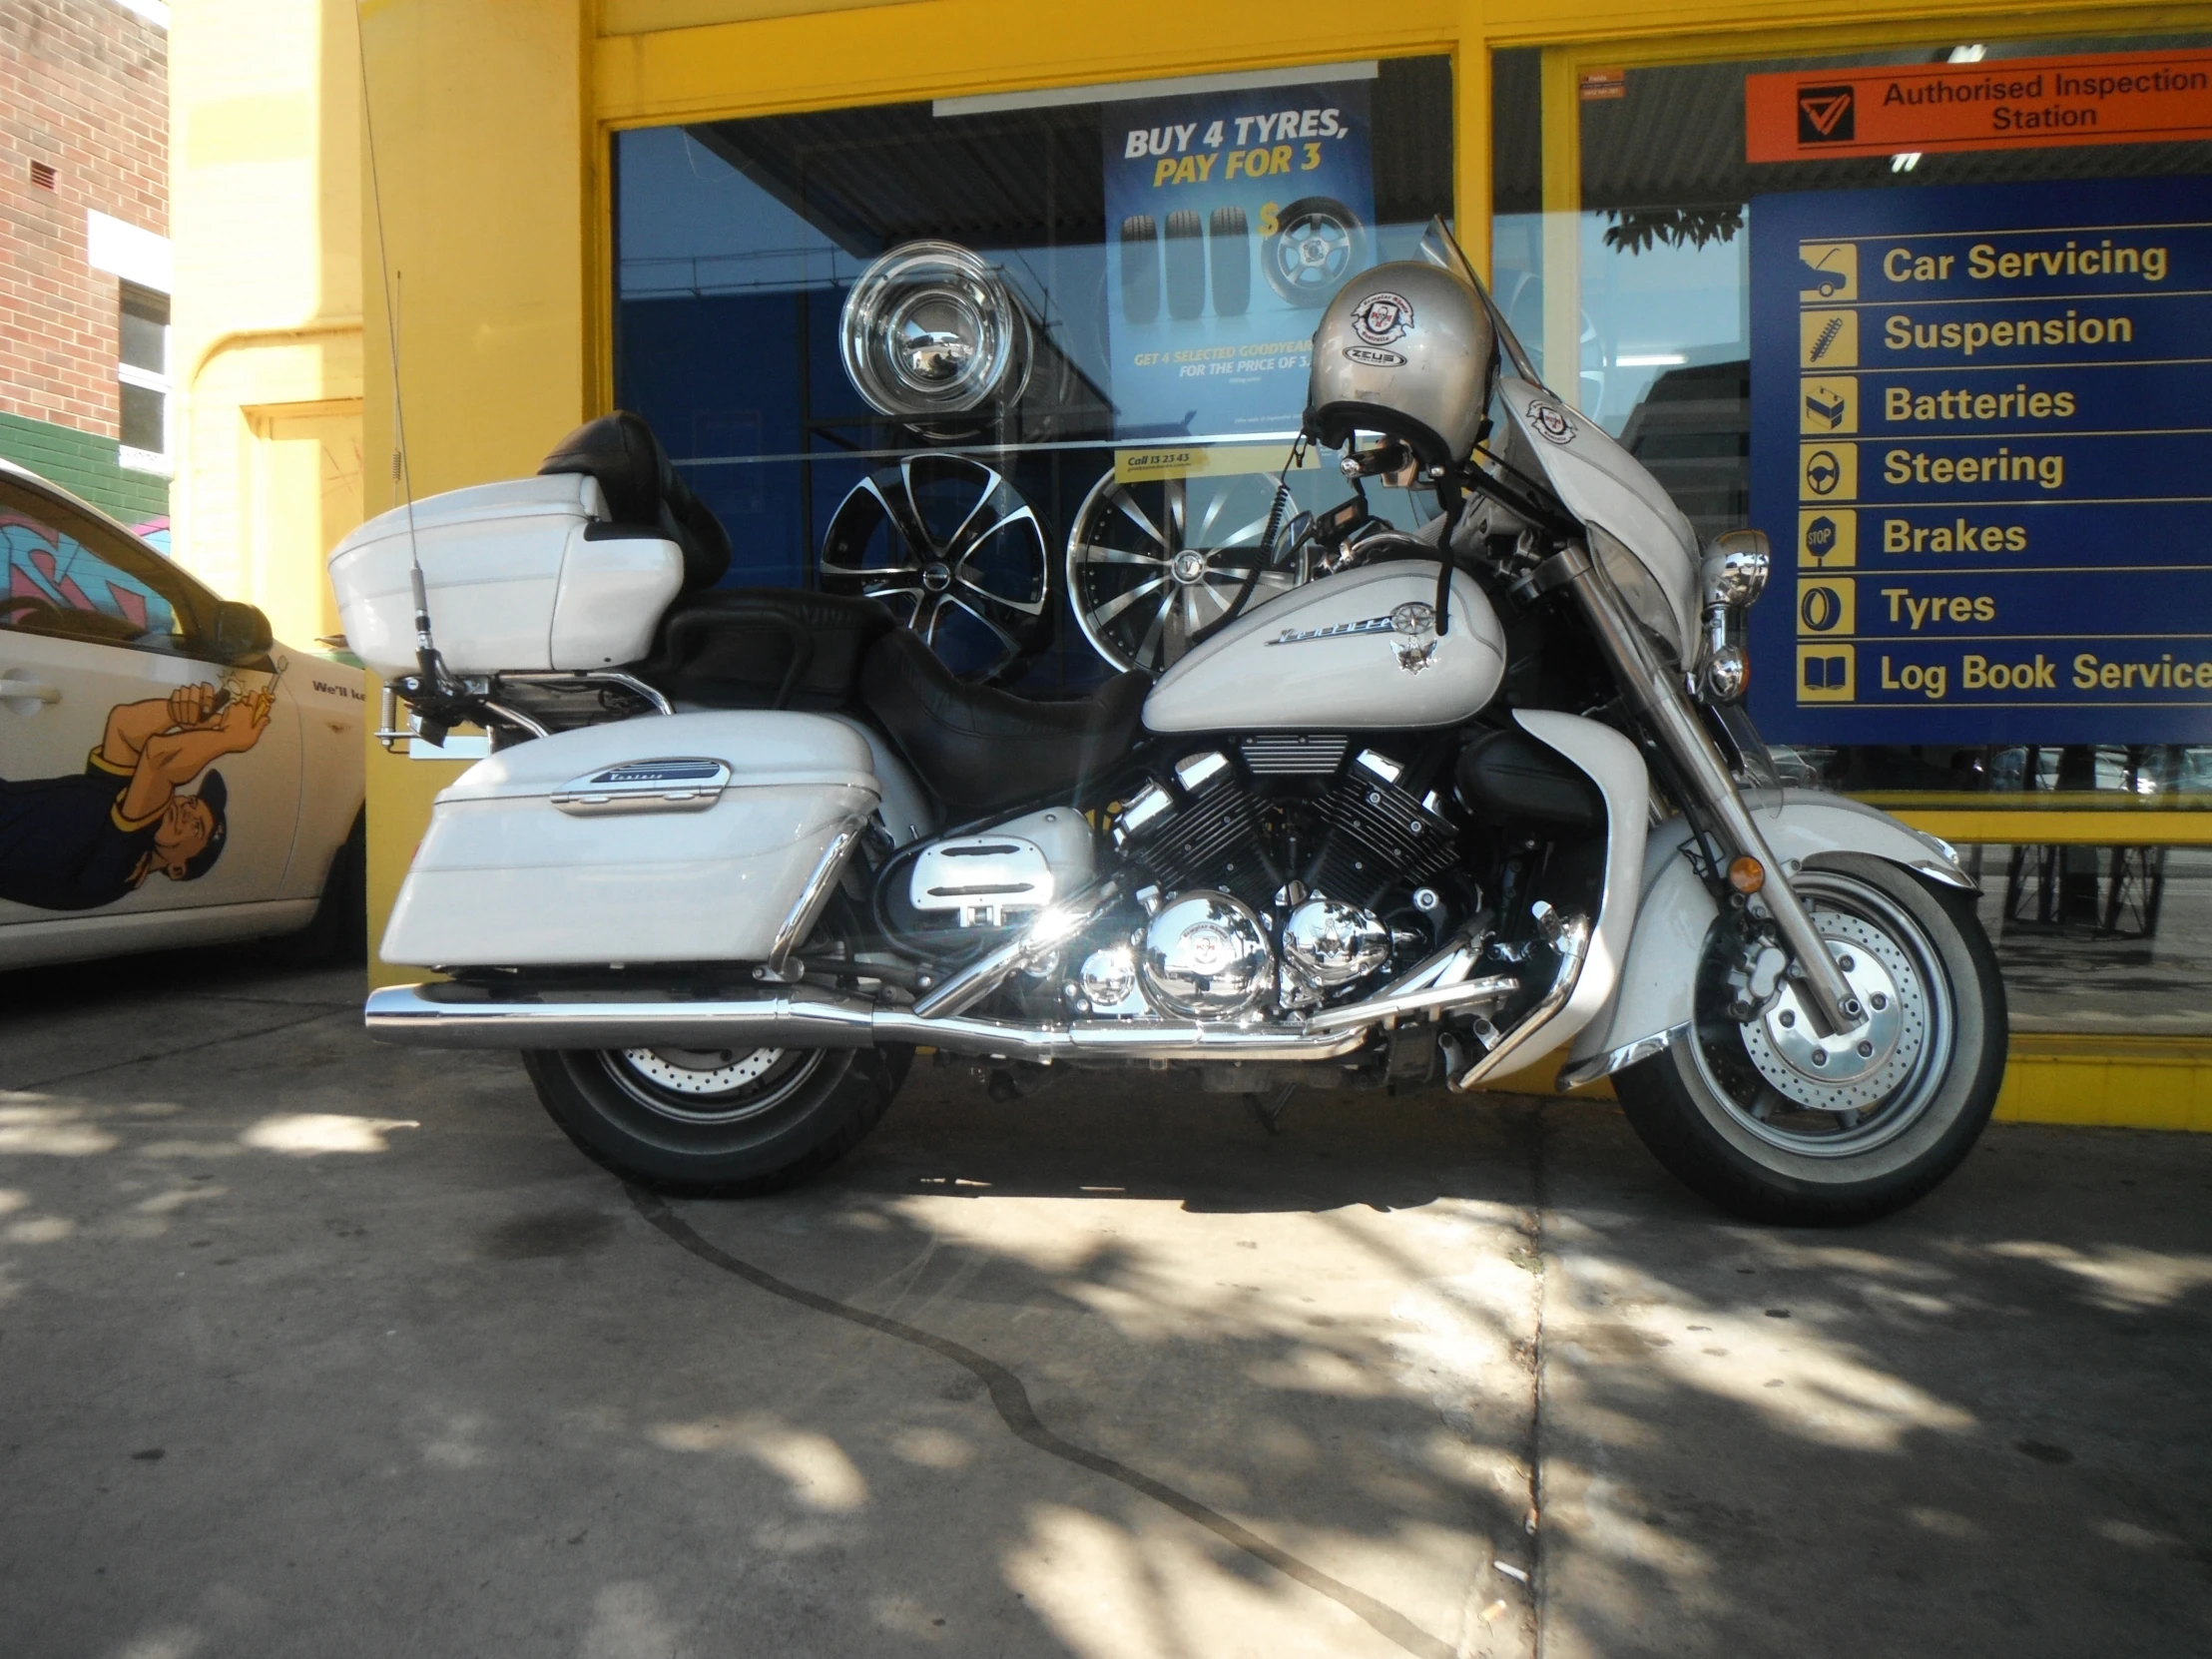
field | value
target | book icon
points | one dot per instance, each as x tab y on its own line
1824	674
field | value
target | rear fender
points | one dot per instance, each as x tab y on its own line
1653	1003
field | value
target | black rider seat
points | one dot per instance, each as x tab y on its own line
982	750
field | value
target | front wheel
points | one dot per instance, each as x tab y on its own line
717	1122
1773	1122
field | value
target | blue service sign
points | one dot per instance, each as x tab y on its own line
1982	445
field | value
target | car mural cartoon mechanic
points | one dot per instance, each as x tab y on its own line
86	839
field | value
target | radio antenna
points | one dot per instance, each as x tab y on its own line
392	282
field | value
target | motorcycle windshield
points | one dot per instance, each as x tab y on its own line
1599	484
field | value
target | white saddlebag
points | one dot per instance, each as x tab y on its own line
604	846
516	577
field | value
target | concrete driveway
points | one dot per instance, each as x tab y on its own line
309	1347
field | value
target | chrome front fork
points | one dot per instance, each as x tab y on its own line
1657	693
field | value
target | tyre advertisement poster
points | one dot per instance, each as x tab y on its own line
1979	446
1232	218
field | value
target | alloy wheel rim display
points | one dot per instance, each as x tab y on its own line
1151	564
954	551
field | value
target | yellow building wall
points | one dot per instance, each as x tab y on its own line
265	342
487	123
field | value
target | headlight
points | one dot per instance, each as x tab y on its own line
1736	569
1733	577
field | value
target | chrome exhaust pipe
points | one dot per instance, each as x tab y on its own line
458	1016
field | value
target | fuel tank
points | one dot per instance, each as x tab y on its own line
1356	650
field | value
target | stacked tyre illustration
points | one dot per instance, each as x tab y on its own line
1140	269
1228	260
1195	255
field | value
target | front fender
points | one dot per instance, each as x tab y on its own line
1658	977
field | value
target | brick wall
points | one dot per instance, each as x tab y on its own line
84	90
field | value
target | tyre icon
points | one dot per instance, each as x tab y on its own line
1318	242
1140	269
1228	258
1183	253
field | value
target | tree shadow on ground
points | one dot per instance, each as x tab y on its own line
436	1382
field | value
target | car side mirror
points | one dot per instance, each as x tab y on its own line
240	631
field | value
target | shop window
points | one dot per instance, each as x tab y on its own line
1953	376
142	377
1004	362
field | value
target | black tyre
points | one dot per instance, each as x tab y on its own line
1140	269
1317	245
1183	253
1776	1124
1229	257
717	1123
339	931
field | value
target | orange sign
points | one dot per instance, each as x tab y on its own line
2005	104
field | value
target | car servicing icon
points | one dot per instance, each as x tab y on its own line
1827	115
1383	317
1823	472
1828	271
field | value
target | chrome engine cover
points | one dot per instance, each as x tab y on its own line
1327	944
1206	956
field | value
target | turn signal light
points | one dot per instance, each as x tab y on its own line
1745	875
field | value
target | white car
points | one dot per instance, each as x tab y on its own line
169	774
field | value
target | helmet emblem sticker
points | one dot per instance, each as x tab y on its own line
1375	357
1382	317
1552	421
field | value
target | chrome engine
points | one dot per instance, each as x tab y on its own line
1285	876
1274	877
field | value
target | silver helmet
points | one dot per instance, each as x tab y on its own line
1408	351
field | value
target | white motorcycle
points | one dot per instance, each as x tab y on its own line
1474	798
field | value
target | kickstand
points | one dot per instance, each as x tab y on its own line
1268	1108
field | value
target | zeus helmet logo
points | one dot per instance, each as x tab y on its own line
1383	317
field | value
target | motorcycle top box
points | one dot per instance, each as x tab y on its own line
522	575
688	839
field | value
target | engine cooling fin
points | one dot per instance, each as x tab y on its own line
1379	836
1294	753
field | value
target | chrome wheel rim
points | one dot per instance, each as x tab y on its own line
709	1086
1149	565
1763	1073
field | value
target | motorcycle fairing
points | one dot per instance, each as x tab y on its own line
1657	983
1602	484
1614	764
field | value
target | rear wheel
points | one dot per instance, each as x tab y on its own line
717	1122
1775	1123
